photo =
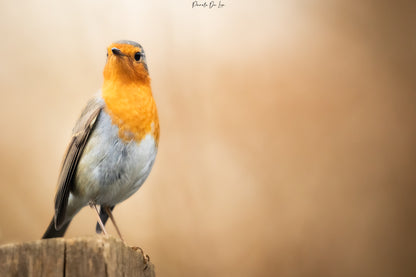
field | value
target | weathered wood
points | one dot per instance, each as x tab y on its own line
87	256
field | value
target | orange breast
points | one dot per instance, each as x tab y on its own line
133	109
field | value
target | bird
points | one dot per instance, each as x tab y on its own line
113	145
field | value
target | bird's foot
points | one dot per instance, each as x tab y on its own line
146	258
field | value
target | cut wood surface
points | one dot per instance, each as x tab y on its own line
85	256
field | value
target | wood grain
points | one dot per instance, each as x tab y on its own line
86	256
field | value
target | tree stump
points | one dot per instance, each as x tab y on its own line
86	256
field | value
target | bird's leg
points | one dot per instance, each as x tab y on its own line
94	206
110	214
146	257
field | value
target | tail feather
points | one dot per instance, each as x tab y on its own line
51	232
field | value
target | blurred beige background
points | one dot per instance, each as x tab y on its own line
288	135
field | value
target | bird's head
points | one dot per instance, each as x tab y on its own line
126	62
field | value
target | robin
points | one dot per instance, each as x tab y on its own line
114	142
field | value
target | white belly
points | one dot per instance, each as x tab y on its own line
111	170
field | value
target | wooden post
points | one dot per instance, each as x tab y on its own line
86	256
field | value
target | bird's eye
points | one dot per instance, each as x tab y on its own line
138	56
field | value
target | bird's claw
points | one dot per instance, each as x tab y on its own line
146	258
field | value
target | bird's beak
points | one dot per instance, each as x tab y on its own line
116	51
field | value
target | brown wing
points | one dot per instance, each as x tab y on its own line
81	132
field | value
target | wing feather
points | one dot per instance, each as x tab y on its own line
81	132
